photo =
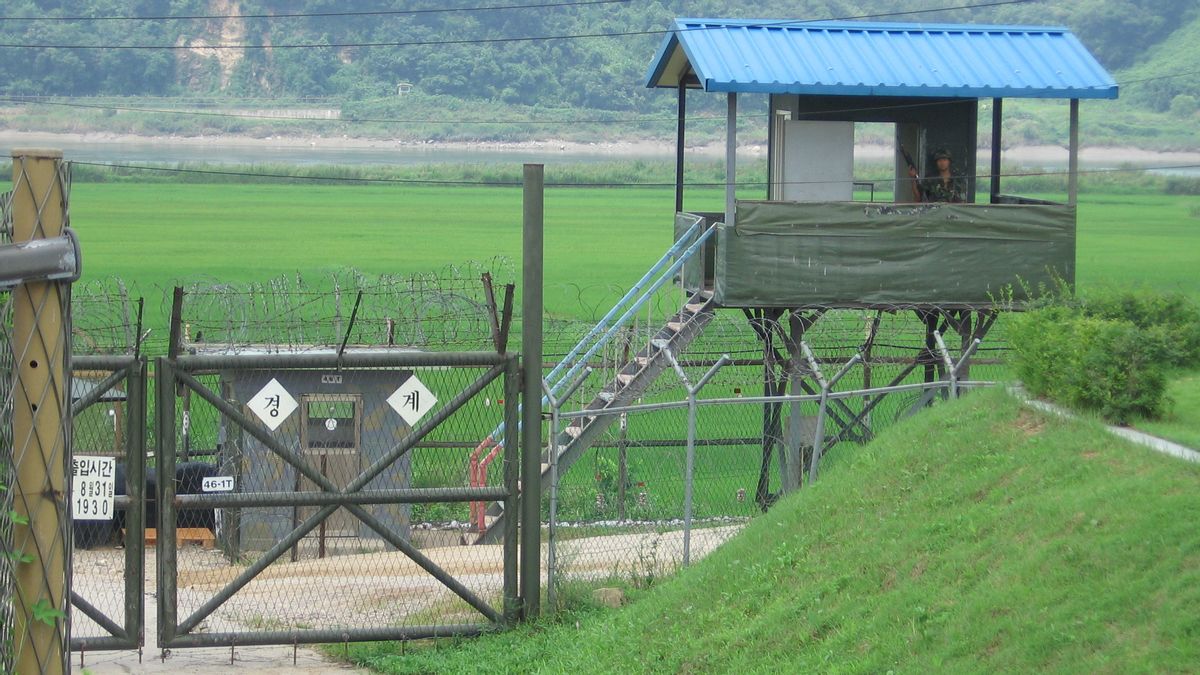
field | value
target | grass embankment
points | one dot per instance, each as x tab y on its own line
978	537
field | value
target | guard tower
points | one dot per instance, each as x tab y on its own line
808	248
807	251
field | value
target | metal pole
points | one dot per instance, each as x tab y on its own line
41	426
135	514
551	558
946	359
689	474
730	156
1073	156
512	590
165	552
679	138
997	139
819	434
531	414
555	421
689	470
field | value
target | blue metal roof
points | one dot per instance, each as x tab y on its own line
851	58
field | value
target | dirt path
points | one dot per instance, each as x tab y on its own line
348	591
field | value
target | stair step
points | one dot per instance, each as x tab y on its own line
625	378
694	307
660	343
606	396
675	325
573	431
545	468
642	360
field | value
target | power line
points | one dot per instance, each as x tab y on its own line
205	113
492	121
504	40
713	184
305	15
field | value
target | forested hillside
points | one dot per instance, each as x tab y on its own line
327	48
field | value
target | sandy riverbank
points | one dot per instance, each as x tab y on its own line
1031	155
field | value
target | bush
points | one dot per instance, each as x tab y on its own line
1169	321
1091	363
1184	105
1109	352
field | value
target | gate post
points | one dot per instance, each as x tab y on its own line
531	393
135	487
41	425
512	589
164	501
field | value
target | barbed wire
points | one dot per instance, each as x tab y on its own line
445	309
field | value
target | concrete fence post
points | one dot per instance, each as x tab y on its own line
41	425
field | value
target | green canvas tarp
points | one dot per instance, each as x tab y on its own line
788	254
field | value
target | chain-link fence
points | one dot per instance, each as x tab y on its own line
769	389
334	503
7	477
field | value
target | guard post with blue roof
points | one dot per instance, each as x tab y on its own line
808	247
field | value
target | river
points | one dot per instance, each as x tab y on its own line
112	149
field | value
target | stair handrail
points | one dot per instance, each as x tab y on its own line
633	290
639	294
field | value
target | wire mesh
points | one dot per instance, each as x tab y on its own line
34	457
7	477
108	402
343	574
620	506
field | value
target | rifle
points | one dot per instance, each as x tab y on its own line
918	193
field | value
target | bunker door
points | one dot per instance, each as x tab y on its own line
330	439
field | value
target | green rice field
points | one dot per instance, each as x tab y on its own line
598	241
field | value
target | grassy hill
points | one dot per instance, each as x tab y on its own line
1166	70
978	537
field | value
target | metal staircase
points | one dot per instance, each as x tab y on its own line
625	387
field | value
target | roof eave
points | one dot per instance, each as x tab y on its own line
1104	92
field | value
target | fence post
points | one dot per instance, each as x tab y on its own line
689	470
41	425
553	452
531	395
822	408
951	370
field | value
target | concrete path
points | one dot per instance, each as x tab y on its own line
1141	438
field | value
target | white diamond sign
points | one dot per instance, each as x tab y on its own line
272	404
412	400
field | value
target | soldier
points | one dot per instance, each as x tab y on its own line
944	187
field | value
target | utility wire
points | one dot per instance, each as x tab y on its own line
610	120
361	120
305	15
423	181
503	40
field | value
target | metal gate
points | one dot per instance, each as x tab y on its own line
326	505
108	411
